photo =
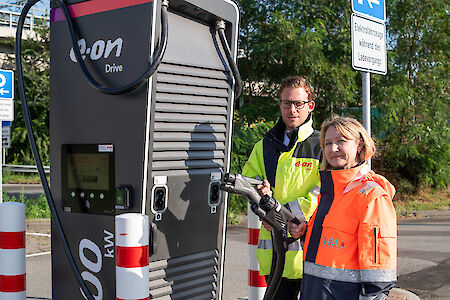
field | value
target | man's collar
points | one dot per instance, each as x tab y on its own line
299	133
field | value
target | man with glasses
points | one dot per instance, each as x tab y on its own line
287	158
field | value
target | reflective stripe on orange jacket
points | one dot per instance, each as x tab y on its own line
351	241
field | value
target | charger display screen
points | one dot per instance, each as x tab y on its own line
87	178
88	171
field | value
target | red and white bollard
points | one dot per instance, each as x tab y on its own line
256	283
132	257
12	251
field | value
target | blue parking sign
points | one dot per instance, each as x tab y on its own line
6	84
374	9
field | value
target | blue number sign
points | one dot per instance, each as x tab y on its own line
6	84
374	9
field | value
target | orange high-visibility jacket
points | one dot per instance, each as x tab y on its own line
351	240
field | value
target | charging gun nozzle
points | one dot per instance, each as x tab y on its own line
229	178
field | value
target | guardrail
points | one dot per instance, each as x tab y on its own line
9	17
24	168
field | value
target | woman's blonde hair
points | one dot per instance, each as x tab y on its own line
350	128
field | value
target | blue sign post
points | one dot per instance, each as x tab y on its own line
374	9
6	110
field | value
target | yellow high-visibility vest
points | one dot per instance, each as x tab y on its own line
293	173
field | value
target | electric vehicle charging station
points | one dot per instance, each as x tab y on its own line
160	149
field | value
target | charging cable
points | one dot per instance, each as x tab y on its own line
220	27
158	54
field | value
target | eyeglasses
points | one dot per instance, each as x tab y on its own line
286	104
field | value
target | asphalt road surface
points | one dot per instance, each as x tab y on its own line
423	261
424	257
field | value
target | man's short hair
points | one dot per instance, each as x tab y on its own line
297	82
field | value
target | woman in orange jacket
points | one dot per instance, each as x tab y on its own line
351	239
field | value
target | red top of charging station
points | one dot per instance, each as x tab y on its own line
93	7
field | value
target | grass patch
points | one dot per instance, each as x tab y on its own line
35	208
406	204
234	217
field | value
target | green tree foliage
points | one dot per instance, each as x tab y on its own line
35	63
245	136
414	94
313	38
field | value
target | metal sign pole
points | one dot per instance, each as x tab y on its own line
368	47
366	104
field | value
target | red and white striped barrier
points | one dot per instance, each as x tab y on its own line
132	237
12	251
256	283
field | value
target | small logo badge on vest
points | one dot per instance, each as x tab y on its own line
330	242
307	165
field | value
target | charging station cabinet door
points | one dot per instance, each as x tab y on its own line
191	113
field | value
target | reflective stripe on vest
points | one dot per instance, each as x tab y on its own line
315	191
267	244
355	276
294	207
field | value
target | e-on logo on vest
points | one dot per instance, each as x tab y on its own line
307	165
331	242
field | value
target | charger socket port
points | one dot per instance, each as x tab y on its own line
159	199
214	193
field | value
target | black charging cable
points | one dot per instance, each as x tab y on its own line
157	56
159	53
35	151
220	27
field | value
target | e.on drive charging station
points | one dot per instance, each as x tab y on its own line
159	149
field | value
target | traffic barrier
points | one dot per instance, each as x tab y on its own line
12	251
132	256
256	283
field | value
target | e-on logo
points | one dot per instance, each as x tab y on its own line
98	49
307	165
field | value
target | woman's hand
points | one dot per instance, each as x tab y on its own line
295	230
